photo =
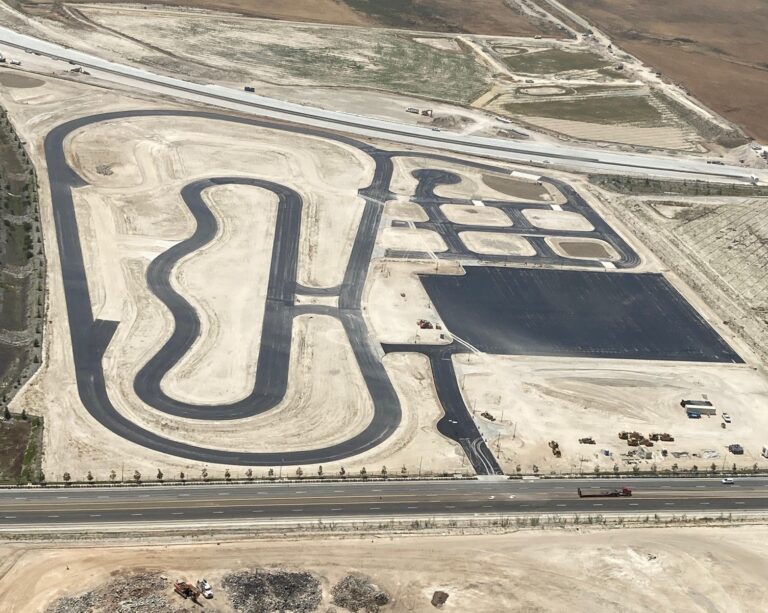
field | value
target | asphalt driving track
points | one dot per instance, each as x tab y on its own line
91	337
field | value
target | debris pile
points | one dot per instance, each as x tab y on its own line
264	591
129	593
356	593
439	598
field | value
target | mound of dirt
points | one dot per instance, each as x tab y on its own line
356	593
264	591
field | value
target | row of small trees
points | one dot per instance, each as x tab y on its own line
204	475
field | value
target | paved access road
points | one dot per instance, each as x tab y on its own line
328	501
581	158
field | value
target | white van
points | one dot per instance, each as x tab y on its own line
765	451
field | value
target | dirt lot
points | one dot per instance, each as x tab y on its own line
628	570
716	49
479	17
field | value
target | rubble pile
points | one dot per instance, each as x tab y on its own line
264	591
356	593
129	593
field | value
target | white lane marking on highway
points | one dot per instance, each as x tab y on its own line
53	516
449	507
374	508
301	492
525	505
487	506
94	516
633	504
297	510
62	497
258	511
19	498
699	486
598	504
560	505
412	507
335	509
177	513
143	495
223	493
559	487
703	503
10	517
136	514
669	504
375	490
338	491
218	512
183	494
739	503
102	496
666	487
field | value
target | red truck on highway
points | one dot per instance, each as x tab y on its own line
622	491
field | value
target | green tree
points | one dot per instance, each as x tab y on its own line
137	476
66	477
89	476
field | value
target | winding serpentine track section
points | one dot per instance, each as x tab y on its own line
91	337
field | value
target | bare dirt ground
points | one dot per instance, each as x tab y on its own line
536	400
674	569
715	49
482	17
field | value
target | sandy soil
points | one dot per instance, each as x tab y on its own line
412	239
496	243
398	301
672	569
557	220
536	400
476	215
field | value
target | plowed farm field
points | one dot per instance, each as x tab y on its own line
715	49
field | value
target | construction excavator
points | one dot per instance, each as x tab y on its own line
187	590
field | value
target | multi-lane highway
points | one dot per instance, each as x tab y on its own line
260	502
575	157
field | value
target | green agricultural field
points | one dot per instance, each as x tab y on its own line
551	61
596	109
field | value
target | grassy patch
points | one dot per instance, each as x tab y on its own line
638	185
551	61
395	63
598	109
13	302
19	448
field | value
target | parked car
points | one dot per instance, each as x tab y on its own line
736	449
726	418
205	588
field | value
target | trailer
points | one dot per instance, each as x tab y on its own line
615	493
